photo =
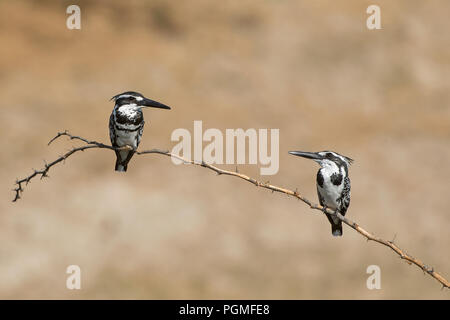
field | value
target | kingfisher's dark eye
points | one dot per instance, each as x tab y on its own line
329	155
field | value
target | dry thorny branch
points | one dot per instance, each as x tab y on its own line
369	236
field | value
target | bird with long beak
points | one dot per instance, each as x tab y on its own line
333	183
126	124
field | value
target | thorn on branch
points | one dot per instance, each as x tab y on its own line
404	257
428	269
57	136
393	239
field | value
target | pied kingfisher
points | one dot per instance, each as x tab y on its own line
333	183
126	124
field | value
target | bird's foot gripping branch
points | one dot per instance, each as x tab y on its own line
90	144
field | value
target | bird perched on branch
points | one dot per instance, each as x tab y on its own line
126	124
333	183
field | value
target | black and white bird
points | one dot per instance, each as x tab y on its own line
333	183
126	124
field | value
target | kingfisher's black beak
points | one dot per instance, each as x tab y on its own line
153	104
308	155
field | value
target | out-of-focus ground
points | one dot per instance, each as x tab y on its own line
309	68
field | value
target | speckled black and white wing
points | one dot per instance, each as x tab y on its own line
113	137
344	199
319	183
112	131
139	135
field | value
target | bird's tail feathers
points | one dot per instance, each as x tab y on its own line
336	225
121	163
121	168
336	229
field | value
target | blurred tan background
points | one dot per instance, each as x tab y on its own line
310	68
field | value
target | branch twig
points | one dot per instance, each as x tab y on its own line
266	185
44	172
